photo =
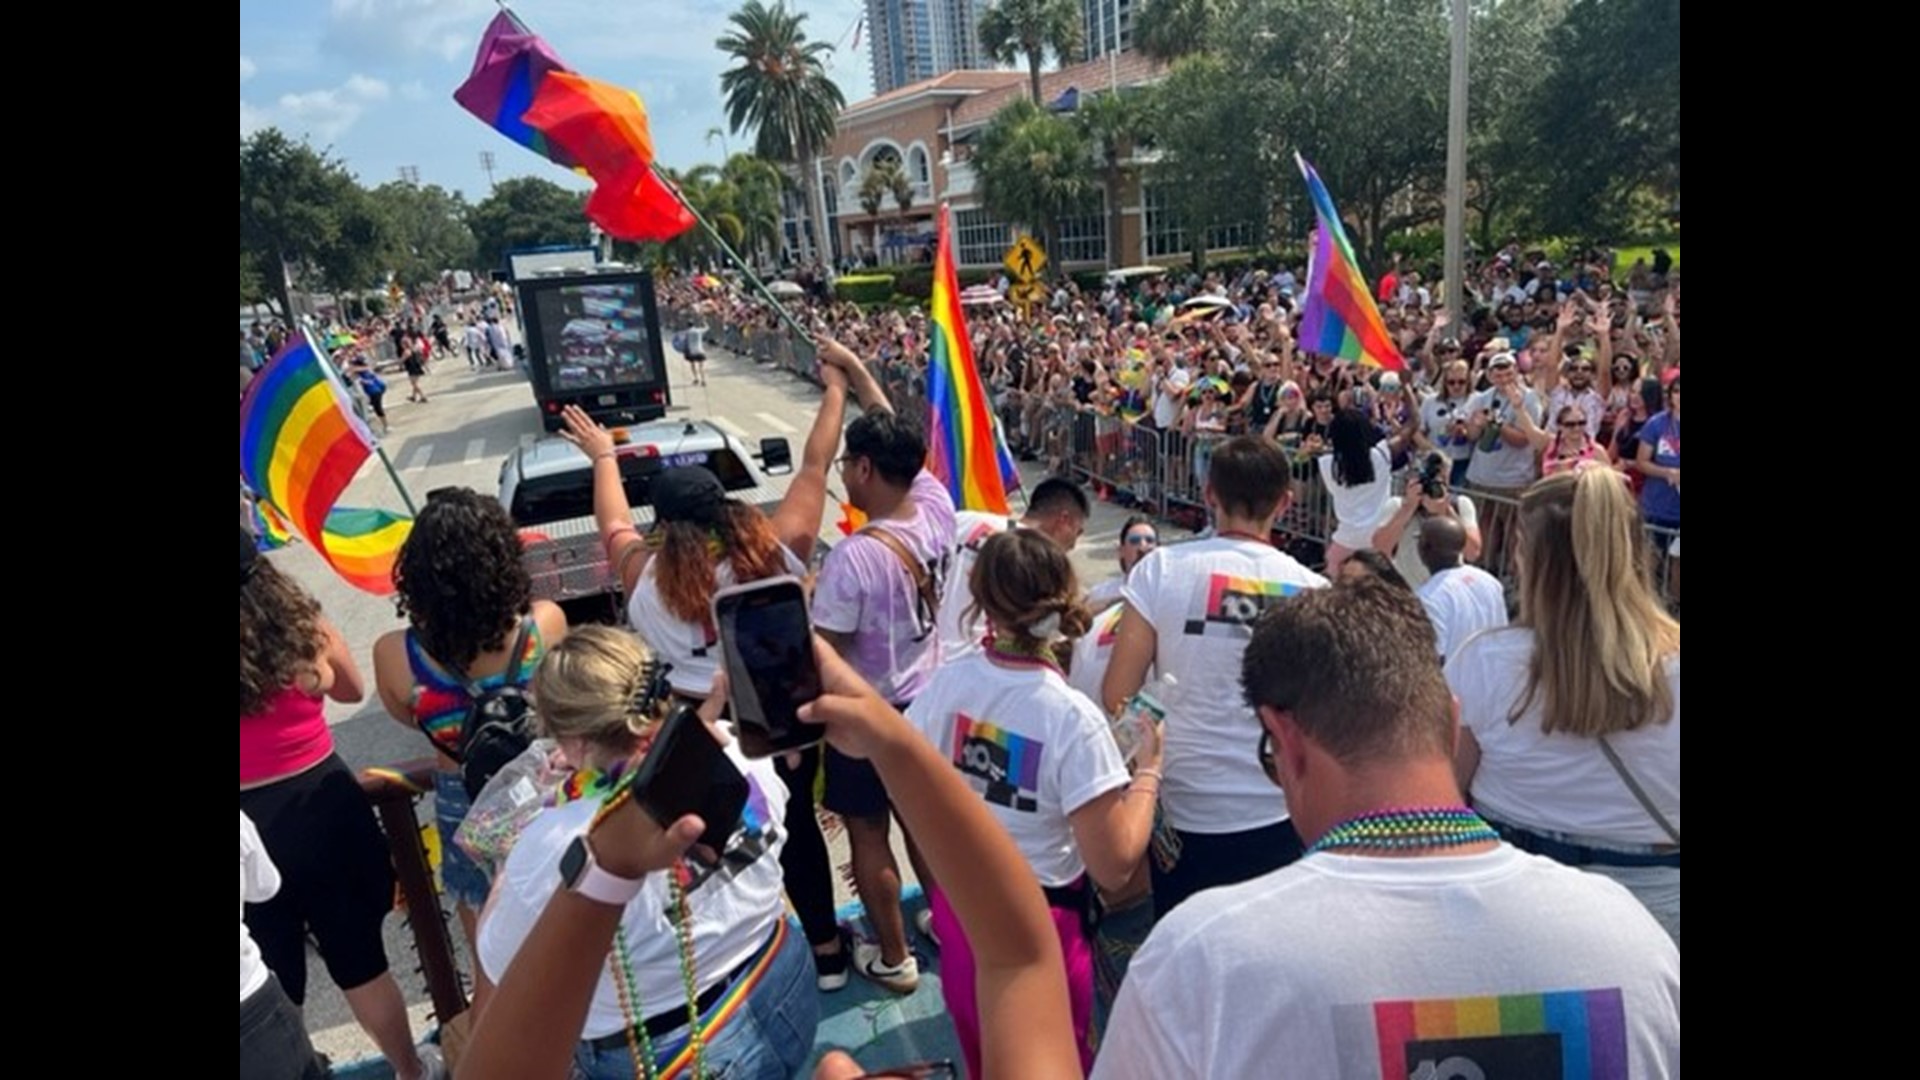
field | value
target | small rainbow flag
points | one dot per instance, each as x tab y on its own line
964	447
1338	317
300	446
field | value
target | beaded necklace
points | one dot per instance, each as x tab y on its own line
1021	652
1406	828
627	987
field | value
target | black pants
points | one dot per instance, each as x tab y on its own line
1209	860
273	1038
804	861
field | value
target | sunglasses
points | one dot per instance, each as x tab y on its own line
1581	367
1571	425
1456	382
1265	753
1142	541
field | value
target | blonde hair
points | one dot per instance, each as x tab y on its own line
589	687
1601	635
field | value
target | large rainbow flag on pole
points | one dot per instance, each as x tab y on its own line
964	448
1339	317
300	446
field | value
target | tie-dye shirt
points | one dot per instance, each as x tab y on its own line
440	702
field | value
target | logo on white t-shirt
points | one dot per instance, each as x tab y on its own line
1551	1036
1233	603
1009	763
751	841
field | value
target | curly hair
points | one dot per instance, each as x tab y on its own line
280	634
459	579
685	576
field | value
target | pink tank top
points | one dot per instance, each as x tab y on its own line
287	736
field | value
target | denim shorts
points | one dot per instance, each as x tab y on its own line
770	1038
462	878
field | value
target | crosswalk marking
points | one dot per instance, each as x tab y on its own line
420	456
776	423
476	449
728	426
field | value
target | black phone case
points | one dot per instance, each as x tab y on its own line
665	787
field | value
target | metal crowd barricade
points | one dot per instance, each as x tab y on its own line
1122	456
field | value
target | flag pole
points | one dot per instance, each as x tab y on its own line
379	446
725	248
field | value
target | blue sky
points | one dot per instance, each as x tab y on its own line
373	80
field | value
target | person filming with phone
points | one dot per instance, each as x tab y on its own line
706	945
1428	496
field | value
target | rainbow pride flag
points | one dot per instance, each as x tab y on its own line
1338	317
964	447
511	64
300	446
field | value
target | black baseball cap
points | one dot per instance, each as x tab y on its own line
687	493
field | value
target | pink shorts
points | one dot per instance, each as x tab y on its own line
957	978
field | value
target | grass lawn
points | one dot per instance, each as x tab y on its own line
1626	256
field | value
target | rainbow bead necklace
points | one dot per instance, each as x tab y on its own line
1407	828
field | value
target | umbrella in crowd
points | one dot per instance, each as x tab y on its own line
974	295
1131	272
785	288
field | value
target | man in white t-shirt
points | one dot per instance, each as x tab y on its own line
1397	536
1190	610
875	602
1461	600
1409	941
1057	510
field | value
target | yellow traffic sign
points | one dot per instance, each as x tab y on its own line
1025	259
1028	293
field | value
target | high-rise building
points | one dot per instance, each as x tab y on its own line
913	40
1109	26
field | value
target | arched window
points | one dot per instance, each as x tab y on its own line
917	165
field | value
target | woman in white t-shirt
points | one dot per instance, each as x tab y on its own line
749	978
1358	473
1570	718
1041	755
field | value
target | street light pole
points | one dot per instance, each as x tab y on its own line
1455	270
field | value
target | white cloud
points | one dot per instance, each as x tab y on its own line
247	69
388	30
323	115
413	90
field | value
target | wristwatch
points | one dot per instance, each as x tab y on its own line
581	873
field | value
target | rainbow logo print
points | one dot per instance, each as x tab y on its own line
1235	602
1559	1035
1008	763
1106	628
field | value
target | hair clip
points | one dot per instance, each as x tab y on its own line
653	687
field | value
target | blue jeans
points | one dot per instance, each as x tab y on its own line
462	878
770	1038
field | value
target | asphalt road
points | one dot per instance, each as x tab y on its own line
460	437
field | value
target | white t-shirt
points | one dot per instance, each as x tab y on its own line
734	909
971	528
1502	466
259	882
1034	748
1560	783
1345	967
1437	416
1406	554
692	648
1106	593
1462	602
1201	598
1357	507
1094	650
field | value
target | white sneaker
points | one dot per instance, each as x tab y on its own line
923	922
433	1066
901	979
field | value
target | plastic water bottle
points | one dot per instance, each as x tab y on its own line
1148	705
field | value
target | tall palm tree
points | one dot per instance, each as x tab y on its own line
1170	29
1033	168
901	185
1015	30
778	88
756	186
1112	122
873	195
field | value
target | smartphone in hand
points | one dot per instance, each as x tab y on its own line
688	772
766	644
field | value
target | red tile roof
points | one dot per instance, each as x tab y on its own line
953	81
1130	68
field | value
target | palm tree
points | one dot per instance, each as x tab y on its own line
873	195
901	185
1015	30
1113	122
1170	29
778	88
1032	167
756	185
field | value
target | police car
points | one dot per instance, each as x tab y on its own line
547	488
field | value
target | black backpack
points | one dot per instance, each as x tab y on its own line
498	726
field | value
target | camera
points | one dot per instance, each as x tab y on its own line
1433	483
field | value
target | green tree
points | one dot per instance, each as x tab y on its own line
1606	120
1113	122
778	88
1360	88
526	212
1210	173
1033	168
428	229
1015	30
873	195
302	210
1170	29
754	189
